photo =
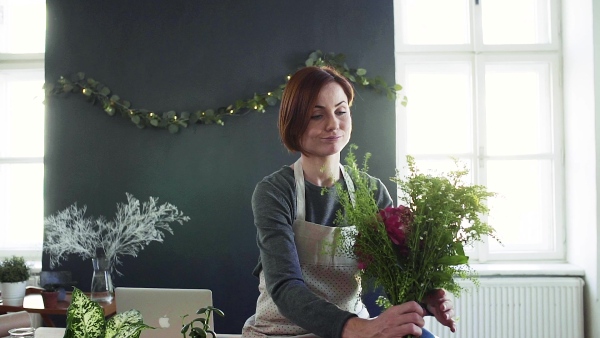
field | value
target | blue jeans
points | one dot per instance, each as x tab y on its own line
427	334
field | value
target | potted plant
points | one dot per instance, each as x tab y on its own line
204	329
14	274
50	295
85	318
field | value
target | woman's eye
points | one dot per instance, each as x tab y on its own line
342	112
316	117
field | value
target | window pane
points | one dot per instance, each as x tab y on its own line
522	213
21	113
437	167
434	22
439	110
21	206
518	116
515	22
22	26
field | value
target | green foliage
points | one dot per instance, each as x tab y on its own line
99	94
125	324
52	287
13	269
85	319
446	216
203	330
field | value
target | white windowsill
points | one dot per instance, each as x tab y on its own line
528	269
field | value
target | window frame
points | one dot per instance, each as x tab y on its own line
26	63
478	55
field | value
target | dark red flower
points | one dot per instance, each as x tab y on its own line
397	221
363	259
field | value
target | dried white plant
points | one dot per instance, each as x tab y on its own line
69	232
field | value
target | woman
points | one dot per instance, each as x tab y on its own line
305	289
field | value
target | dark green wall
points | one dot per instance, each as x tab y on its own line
187	55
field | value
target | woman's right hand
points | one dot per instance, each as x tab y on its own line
396	321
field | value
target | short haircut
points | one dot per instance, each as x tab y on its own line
299	99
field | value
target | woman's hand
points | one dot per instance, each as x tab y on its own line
397	321
441	307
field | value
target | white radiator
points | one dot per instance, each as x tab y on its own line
529	307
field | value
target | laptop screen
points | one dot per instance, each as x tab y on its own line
163	308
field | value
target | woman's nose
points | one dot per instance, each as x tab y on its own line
332	123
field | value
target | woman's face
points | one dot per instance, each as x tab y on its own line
330	124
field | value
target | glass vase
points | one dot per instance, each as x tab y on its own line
102	287
24	332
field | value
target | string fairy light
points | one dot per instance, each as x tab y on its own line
111	103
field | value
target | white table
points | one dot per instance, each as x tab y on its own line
49	332
59	332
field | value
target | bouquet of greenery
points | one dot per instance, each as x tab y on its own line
417	247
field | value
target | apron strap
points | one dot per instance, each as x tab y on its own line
301	192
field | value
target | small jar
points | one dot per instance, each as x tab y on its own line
23	332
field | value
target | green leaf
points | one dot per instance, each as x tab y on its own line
391	96
397	87
453	260
458	247
171	114
115	98
173	128
271	101
361	71
85	318
404	101
126	324
135	119
194	117
198	332
109	110
201	320
441	277
49	87
105	91
154	122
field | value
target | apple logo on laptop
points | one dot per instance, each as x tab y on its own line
164	322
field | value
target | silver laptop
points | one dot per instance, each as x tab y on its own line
163	308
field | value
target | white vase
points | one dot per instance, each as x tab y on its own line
13	293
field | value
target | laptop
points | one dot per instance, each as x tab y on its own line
163	308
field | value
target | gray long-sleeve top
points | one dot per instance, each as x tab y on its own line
274	207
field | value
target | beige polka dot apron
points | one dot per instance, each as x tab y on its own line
329	275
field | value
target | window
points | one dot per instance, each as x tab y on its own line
482	80
22	44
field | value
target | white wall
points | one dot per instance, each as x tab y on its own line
581	32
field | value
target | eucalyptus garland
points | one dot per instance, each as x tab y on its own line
101	95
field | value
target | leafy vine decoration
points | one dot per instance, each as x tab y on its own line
101	95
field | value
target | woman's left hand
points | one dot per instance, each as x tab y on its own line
441	307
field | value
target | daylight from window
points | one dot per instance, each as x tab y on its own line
487	94
22	38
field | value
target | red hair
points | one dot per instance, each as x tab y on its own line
299	99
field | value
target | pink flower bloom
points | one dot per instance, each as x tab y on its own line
396	221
